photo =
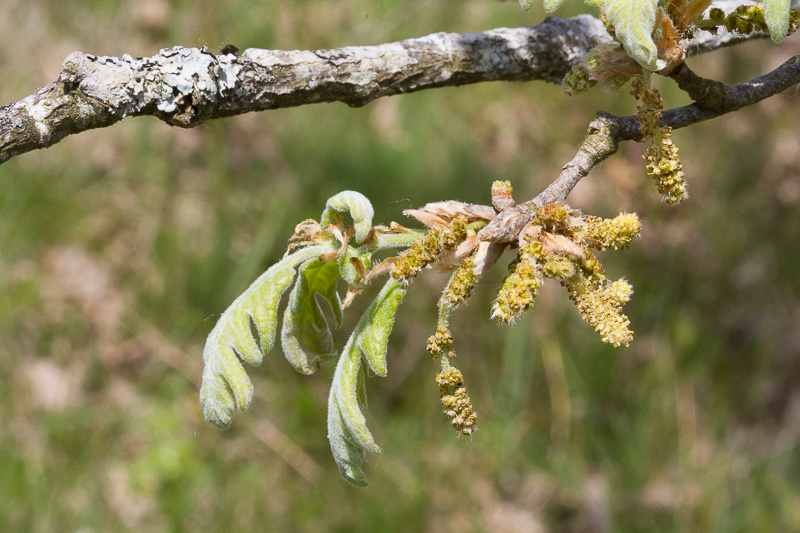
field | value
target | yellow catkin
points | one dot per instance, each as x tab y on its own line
456	403
461	284
427	248
666	169
616	233
602	310
521	287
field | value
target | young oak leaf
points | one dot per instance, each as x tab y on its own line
347	430
226	386
349	457
552	5
305	335
776	15
633	22
357	205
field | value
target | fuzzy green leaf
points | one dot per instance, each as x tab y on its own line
334	303
633	22
357	205
552	5
347	430
305	335
226	386
373	340
348	455
776	15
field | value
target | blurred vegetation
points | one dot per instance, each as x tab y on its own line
119	248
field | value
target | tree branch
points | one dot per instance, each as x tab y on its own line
601	143
606	131
733	98
186	86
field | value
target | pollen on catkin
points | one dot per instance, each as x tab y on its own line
552	215
455	401
521	286
461	283
560	268
620	291
439	341
427	248
616	233
602	309
666	168
662	154
577	80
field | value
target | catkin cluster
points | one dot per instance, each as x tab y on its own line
426	250
455	401
746	19
661	156
558	244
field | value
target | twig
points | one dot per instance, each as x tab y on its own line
606	131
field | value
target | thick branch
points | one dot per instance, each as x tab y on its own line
186	86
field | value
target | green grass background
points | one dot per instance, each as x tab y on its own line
119	248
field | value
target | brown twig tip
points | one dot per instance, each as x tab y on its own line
501	195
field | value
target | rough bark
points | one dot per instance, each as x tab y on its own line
187	86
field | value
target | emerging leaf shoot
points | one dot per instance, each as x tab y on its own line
347	429
552	241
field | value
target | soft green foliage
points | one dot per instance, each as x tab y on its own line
633	22
319	256
354	203
305	336
347	429
352	265
551	5
226	386
776	15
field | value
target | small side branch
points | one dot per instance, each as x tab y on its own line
600	143
714	99
731	99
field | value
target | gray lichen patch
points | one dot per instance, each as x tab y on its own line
173	78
